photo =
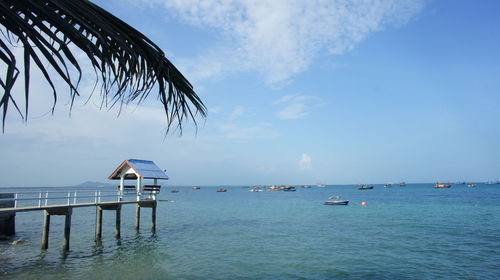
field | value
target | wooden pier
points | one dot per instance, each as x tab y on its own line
131	169
67	211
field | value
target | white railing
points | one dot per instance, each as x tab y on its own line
73	197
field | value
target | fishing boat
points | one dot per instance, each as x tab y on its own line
471	185
336	202
387	185
442	186
364	187
256	189
221	190
289	189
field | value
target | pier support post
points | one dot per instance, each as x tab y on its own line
98	224
46	229
7	221
153	217
67	230
67	211
118	221
137	216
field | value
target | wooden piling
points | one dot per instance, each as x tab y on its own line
46	229
153	218
8	220
98	224
67	230
118	222
137	216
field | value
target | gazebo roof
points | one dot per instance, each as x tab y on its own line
143	168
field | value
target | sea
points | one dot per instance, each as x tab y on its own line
412	232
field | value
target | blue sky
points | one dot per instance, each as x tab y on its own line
298	92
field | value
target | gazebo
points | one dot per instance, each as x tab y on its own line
137	169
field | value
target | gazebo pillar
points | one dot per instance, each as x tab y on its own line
138	188
122	177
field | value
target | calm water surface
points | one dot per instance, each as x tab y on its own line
412	232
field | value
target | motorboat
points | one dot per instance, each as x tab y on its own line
364	187
289	189
442	186
196	188
471	185
387	185
336	202
174	191
221	190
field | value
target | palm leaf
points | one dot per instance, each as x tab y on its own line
127	64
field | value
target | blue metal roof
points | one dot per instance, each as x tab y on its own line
147	169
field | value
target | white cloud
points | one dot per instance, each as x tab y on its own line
236	112
305	162
281	38
296	106
234	131
215	109
295	111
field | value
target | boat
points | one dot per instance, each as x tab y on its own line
174	191
289	189
493	182
196	188
221	190
387	185
471	185
321	185
442	186
306	187
336	202
402	184
364	187
256	189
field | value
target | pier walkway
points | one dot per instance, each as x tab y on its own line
63	202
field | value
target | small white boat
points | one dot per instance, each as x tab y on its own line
336	202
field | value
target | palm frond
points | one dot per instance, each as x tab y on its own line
127	64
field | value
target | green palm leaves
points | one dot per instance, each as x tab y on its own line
127	64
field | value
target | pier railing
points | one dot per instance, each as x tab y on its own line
72	197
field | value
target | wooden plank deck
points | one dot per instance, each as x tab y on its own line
53	207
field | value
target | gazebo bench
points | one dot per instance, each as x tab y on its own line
154	189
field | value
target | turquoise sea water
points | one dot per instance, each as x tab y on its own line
412	232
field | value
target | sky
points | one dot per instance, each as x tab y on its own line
297	92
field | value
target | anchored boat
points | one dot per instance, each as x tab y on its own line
442	186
